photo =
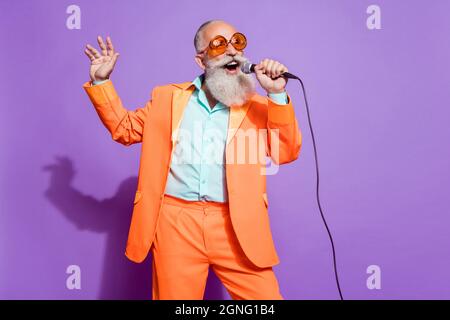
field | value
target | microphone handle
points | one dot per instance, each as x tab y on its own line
289	75
285	74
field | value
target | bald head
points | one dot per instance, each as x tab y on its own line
208	30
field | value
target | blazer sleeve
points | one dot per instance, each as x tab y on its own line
126	126
283	133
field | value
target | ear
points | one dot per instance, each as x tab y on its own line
199	61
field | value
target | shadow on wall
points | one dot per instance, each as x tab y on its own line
121	278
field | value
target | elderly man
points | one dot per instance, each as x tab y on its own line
197	203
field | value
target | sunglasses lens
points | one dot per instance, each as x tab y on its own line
218	42
217	46
239	41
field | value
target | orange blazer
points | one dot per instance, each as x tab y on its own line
156	124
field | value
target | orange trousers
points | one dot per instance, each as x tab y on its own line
190	237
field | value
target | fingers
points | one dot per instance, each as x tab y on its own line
106	49
102	46
93	51
269	66
110	47
272	68
89	54
259	68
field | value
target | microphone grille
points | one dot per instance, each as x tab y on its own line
246	67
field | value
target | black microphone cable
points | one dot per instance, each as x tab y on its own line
291	76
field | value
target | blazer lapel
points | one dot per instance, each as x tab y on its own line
180	98
237	115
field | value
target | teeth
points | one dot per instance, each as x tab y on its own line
233	63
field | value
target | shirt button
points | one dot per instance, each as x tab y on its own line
203	181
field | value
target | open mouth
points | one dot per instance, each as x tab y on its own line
231	66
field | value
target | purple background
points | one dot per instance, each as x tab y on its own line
380	108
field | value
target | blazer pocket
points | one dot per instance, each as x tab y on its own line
266	202
137	197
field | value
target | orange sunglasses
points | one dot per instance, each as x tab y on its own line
219	44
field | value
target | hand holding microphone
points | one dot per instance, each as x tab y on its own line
271	74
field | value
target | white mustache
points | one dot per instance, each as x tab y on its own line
226	60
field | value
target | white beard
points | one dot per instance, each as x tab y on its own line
229	89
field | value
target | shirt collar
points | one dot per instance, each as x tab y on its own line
198	82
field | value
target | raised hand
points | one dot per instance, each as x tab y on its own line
268	73
101	64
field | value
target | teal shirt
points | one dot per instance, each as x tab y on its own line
197	169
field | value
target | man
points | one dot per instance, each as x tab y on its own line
198	204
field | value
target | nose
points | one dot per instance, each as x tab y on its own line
231	51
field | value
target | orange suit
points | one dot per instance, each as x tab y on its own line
156	124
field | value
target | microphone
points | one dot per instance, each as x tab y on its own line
249	67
